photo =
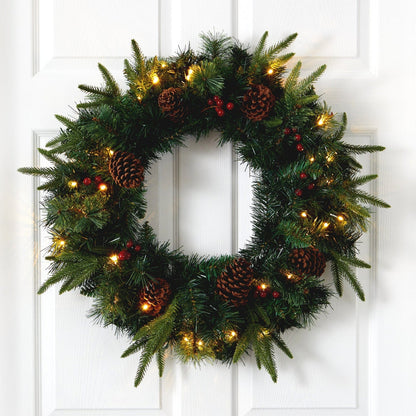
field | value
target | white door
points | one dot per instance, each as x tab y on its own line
357	361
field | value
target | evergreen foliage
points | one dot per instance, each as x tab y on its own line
306	194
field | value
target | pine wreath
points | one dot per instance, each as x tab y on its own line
308	206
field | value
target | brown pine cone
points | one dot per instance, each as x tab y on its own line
126	170
307	261
258	102
233	285
154	297
170	102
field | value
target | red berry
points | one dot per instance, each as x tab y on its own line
256	294
87	181
298	106
263	294
303	175
299	147
98	179
295	130
124	255
311	186
129	244
220	103
259	287
216	98
287	131
298	137
137	248
298	192
220	112
230	106
275	294
210	102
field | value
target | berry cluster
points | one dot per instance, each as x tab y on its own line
97	181
126	253
298	138
218	103
263	291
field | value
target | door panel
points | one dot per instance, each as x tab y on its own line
58	362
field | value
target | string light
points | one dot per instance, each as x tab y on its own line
114	258
340	218
102	187
263	286
325	225
145	307
270	71
289	276
200	343
186	339
139	98
110	152
163	65
189	76
329	157
311	159
303	214
61	243
323	119
72	184
155	79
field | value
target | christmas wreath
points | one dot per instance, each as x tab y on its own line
308	207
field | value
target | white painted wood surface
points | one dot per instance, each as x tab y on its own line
357	361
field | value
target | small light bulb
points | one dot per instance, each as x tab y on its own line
303	214
263	286
163	65
190	72
114	258
72	184
200	343
186	339
110	152
329	157
311	159
145	307
155	79
102	187
270	71
340	218
289	275
325	224
139	98
233	334
62	243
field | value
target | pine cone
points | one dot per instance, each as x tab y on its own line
170	102
307	261
258	102
233	285
154	297
126	170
